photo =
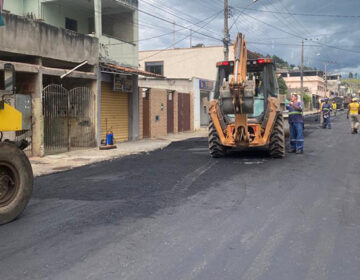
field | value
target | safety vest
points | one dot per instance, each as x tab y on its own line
295	116
354	108
295	113
326	108
334	106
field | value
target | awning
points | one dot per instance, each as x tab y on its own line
117	69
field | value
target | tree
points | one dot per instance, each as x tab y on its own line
351	75
307	99
280	61
283	89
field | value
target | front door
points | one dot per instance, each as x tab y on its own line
204	104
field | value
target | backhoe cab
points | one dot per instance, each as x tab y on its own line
245	111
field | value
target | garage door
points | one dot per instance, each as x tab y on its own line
114	113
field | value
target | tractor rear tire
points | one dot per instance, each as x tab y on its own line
216	149
277	139
16	182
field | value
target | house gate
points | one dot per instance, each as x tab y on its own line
68	119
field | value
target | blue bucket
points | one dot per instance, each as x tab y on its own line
109	138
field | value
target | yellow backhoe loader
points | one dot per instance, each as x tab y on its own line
16	177
245	111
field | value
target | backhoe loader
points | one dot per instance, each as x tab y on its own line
16	177
245	111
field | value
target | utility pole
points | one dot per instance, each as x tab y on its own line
326	64
302	67
226	30
190	38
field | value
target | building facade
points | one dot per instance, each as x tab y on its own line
45	40
185	63
313	83
198	89
189	70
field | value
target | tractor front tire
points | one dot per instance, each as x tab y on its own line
16	182
277	139
216	149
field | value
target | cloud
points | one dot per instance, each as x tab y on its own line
281	34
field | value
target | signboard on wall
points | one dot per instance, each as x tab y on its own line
123	83
206	85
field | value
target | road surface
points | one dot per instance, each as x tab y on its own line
178	214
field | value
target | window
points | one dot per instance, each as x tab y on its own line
156	67
71	24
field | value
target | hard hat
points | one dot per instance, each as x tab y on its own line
354	99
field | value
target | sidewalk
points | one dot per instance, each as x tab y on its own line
65	161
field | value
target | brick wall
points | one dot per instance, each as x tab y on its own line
158	108
158	128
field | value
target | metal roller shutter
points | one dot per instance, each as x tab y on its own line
114	113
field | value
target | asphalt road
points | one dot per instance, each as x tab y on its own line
178	214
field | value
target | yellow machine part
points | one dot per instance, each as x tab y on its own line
10	119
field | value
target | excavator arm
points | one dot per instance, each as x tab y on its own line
237	89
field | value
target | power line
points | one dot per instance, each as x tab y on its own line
164	34
299	22
173	13
195	31
303	14
284	21
297	36
168	21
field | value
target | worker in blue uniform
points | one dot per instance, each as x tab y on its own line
296	123
326	110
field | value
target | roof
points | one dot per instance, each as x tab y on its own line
117	69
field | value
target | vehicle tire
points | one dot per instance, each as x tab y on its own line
277	139
216	149
16	182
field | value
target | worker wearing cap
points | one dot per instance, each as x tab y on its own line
326	110
354	115
334	107
296	123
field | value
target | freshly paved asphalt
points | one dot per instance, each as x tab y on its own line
178	214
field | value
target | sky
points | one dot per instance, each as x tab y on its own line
330	28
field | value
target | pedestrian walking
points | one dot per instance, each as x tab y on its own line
334	107
354	115
326	110
296	123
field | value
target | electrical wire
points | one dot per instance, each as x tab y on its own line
211	19
173	13
297	36
162	35
165	20
303	14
